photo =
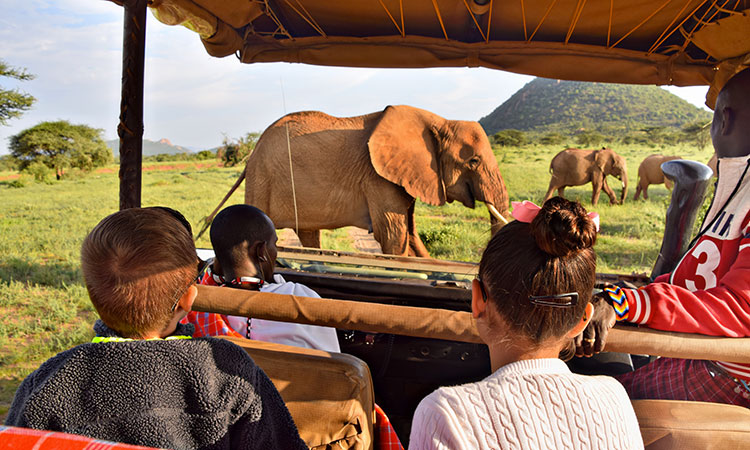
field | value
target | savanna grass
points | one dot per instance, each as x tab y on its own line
44	304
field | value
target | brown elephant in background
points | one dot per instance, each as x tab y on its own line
367	171
575	167
649	172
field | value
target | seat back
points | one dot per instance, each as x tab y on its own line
329	395
683	425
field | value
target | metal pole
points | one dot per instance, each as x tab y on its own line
130	128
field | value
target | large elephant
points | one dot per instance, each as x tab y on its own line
649	172
575	166
366	171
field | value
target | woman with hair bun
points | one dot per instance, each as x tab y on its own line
531	297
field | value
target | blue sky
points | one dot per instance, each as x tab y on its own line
74	49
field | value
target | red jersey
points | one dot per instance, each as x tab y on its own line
709	290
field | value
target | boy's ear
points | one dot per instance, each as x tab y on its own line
187	299
580	326
478	305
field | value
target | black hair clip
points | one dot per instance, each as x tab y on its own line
550	300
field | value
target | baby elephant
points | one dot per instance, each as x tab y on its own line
649	172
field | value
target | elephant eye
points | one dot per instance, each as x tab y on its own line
474	161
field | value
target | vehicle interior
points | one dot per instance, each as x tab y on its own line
403	322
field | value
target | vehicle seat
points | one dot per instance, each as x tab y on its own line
674	424
330	395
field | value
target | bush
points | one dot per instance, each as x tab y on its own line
552	139
40	172
235	151
589	139
9	163
20	182
510	138
205	155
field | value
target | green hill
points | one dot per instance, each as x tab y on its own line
545	105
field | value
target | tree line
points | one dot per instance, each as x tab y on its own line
696	133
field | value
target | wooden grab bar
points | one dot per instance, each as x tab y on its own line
445	324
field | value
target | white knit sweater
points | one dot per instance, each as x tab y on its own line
531	404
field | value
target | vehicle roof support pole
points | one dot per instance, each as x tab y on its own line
130	128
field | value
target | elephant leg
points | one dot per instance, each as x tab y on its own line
551	189
390	230
597	189
668	183
610	193
645	193
309	238
561	191
638	192
416	247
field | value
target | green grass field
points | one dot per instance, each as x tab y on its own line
44	304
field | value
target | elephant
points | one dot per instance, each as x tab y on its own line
649	172
367	171
575	166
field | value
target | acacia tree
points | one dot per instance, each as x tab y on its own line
13	102
697	133
59	145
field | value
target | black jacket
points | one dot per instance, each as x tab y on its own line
202	393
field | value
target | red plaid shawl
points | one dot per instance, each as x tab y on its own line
18	438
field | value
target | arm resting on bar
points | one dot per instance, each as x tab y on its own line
444	324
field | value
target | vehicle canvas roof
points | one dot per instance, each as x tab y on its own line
693	42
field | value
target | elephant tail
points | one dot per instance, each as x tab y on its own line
207	220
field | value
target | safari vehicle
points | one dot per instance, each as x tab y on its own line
412	332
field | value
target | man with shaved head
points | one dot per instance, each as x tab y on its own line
244	240
709	290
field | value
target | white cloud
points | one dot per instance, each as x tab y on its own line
74	47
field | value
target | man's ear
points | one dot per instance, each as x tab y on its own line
726	115
187	299
478	305
588	313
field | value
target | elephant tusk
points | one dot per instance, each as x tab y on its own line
496	214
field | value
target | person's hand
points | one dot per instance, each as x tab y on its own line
594	336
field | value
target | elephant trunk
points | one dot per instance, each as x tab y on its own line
624	186
495	197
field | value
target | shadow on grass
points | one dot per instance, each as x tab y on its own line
52	274
7	391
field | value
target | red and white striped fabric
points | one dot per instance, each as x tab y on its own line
25	438
209	324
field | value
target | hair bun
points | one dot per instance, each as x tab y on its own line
563	227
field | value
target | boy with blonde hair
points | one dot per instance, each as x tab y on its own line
143	380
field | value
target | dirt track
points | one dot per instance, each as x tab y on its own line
361	240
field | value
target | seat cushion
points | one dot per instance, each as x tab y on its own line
673	424
329	395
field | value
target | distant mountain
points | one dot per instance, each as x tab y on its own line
545	105
151	148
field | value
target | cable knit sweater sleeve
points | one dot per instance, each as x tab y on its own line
435	425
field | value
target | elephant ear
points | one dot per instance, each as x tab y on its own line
404	149
603	161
